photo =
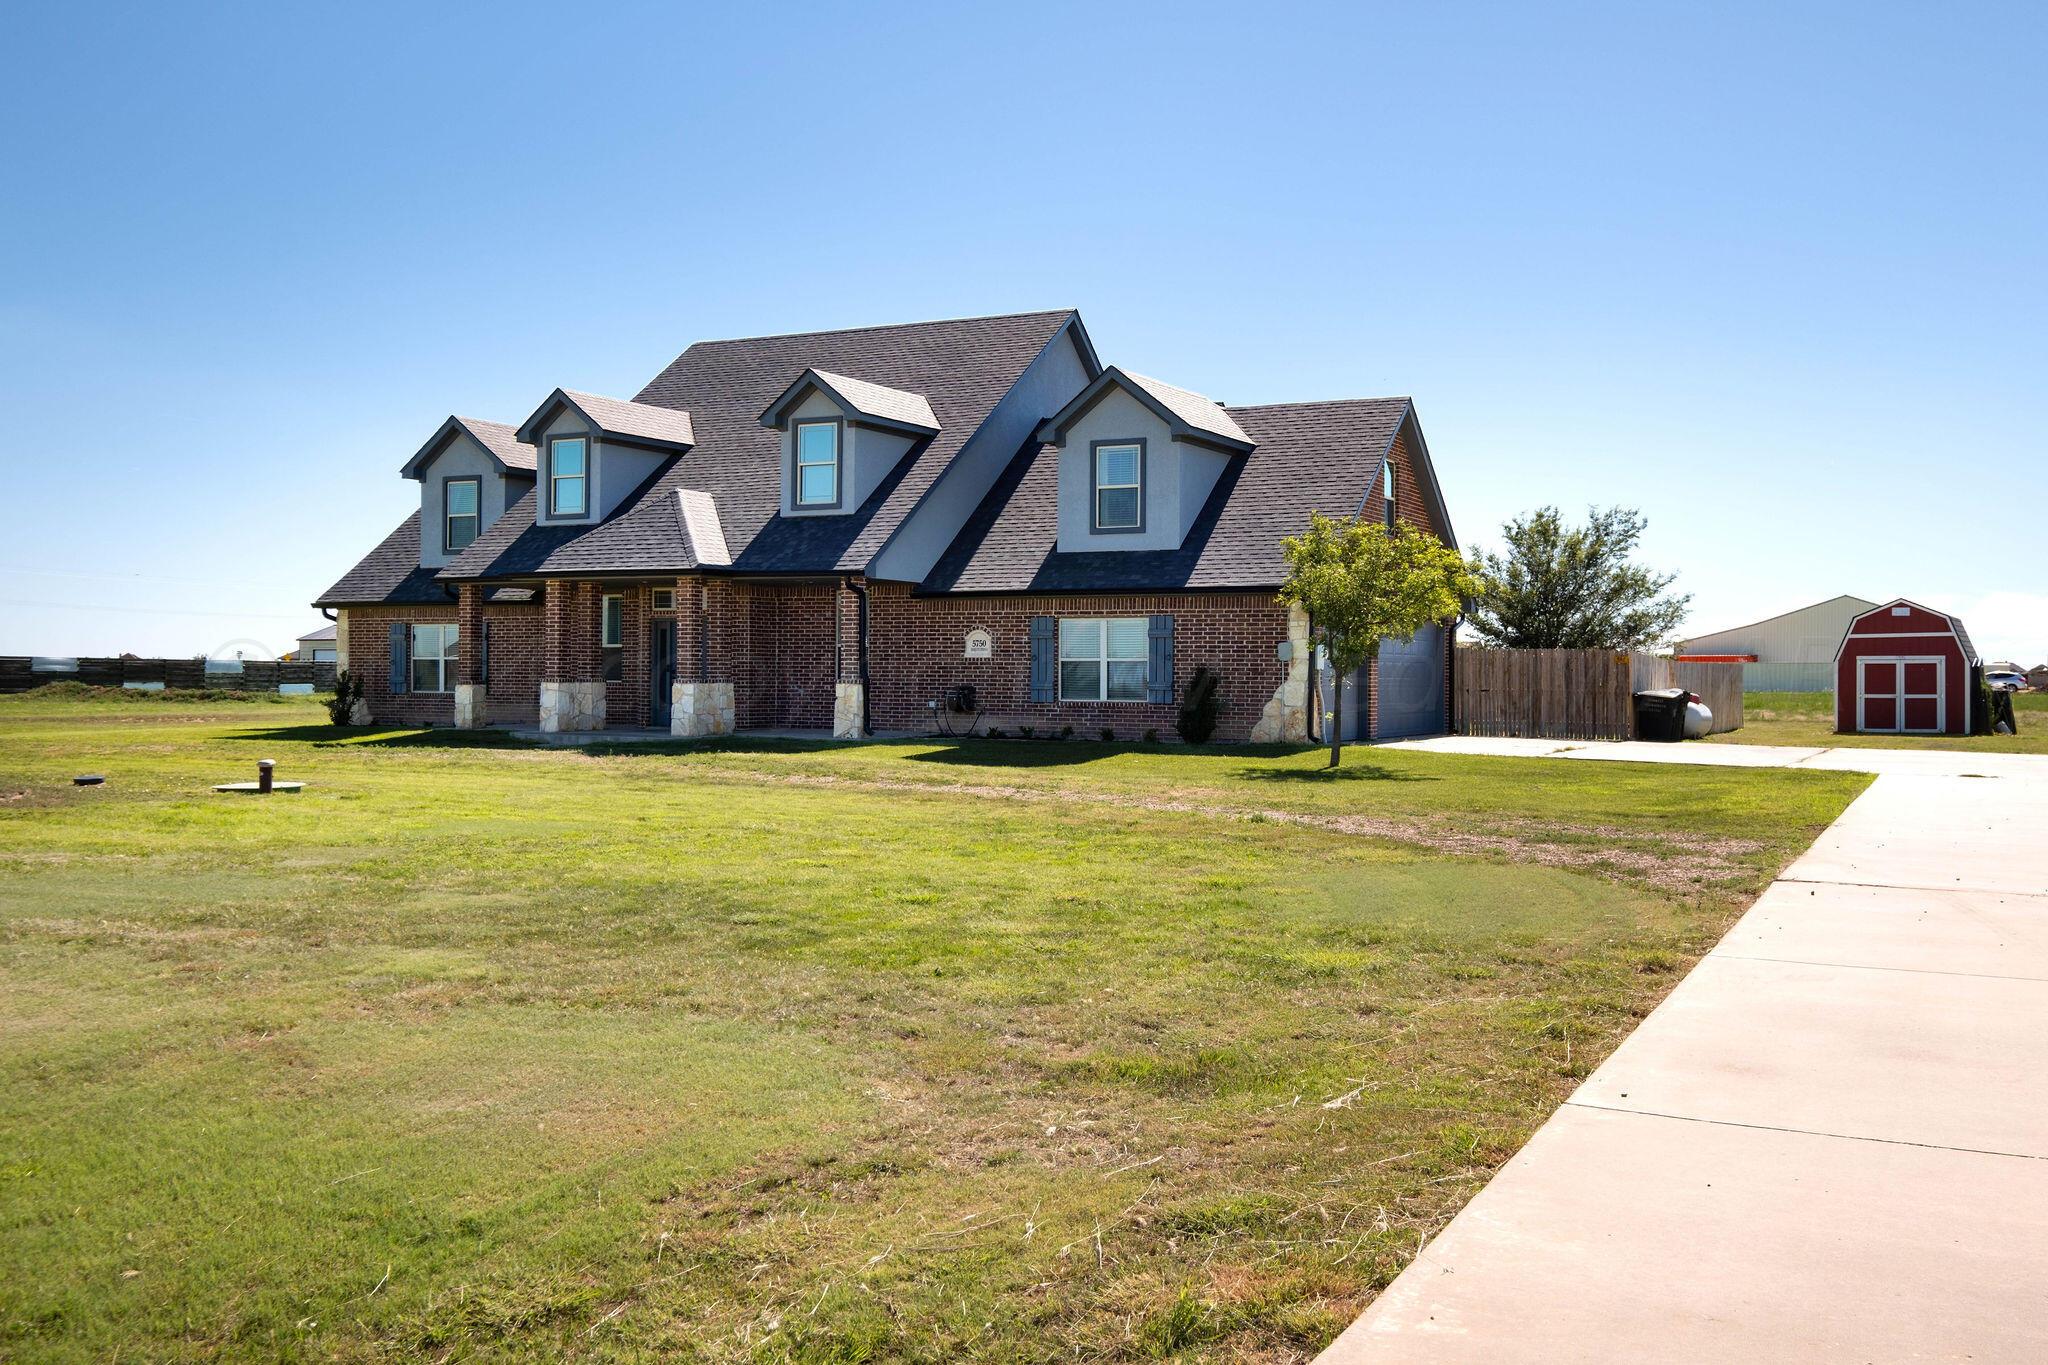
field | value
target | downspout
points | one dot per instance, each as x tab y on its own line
329	614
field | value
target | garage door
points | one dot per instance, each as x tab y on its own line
1412	685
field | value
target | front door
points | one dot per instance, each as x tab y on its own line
661	671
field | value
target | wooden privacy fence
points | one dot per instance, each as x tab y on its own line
20	672
1577	693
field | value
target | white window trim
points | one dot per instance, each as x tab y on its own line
450	517
664	599
799	464
1096	451
1102	658
557	479
1388	495
449	637
606	638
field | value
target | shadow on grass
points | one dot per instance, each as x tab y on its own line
384	737
1349	772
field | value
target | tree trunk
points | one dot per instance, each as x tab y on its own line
1334	721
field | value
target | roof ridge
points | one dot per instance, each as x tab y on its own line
883	327
1315	403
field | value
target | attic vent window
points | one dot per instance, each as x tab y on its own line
1119	478
817	464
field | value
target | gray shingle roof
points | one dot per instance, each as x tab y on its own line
500	440
633	421
1321	457
879	402
1187	414
390	573
960	367
1200	414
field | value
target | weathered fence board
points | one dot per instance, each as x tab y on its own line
1578	693
17	674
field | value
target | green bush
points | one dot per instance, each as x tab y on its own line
1200	708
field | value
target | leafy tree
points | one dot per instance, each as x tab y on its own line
1573	587
1362	583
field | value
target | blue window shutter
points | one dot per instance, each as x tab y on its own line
401	665
1159	666
483	646
1044	660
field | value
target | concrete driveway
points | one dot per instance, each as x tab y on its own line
1830	1143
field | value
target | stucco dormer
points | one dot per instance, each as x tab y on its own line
841	437
1137	460
592	452
469	472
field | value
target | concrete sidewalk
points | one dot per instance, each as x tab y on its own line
1830	1143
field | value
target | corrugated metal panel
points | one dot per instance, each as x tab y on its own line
1763	677
1806	636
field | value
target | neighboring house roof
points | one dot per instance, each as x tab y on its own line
390	573
1188	415
615	417
325	632
499	440
878	403
962	368
1322	457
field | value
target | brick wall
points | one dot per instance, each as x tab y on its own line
915	649
513	695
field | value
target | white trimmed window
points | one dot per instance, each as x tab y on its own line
817	464
1103	659
568	471
459	525
1119	485
1387	490
612	636
433	658
664	599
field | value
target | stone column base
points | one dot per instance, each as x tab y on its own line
469	705
849	704
1285	719
571	706
697	709
359	712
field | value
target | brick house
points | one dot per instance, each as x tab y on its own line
832	530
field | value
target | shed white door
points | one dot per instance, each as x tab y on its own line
1901	696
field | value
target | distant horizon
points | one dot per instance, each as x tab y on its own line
1768	276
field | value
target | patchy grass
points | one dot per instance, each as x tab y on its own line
793	1052
1807	719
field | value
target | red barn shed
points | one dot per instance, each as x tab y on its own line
1905	669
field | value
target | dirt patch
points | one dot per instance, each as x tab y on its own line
1678	866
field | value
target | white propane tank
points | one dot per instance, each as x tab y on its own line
1699	721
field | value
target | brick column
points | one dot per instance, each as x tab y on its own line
706	611
571	693
470	707
849	698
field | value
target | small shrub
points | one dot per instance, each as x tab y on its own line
1108	735
1151	736
1067	732
995	732
1027	730
348	690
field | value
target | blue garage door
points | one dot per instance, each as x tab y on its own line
1412	686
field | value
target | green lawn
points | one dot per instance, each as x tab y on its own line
1808	719
1004	1051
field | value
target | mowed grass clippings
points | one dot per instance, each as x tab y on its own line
787	1052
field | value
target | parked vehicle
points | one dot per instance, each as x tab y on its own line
2005	680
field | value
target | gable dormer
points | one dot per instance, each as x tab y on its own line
840	437
591	452
1137	460
469	472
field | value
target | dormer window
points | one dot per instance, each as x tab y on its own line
817	464
1119	485
460	502
568	476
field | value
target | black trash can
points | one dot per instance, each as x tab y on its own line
1660	715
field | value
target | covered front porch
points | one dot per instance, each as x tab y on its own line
654	658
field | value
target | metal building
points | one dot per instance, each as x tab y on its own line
1791	652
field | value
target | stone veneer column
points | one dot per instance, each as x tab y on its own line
1285	719
571	679
849	698
469	656
701	703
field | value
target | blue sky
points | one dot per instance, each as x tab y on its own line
1773	274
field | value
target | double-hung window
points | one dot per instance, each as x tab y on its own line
568	476
433	658
612	636
817	464
459	508
1118	478
1103	659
